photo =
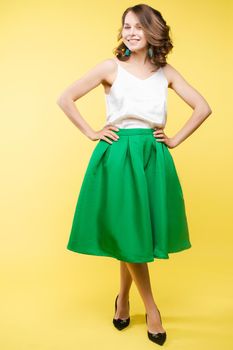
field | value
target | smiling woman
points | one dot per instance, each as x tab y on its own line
141	28
131	205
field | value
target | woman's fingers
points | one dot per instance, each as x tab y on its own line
111	134
106	139
107	134
160	135
157	131
113	127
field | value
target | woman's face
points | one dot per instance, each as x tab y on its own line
132	34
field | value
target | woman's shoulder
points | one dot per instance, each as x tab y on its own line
106	63
171	73
105	67
169	68
109	62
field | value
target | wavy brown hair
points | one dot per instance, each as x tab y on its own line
156	31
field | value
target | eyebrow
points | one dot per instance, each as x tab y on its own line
129	24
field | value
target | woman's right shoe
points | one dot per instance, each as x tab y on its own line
120	323
158	338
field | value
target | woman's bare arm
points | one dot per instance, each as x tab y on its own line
193	98
79	88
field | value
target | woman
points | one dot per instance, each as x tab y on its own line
131	204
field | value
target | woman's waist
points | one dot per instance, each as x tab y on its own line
136	121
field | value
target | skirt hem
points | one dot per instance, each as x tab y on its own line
123	258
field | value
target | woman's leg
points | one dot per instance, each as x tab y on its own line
125	284
140	275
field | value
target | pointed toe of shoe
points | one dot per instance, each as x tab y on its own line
121	324
158	338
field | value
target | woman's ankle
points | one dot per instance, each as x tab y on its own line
123	297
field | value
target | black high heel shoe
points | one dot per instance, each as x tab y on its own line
158	338
120	323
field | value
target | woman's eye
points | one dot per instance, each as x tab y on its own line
129	27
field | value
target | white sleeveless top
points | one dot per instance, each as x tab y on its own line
137	103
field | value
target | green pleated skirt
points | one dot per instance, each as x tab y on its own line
130	205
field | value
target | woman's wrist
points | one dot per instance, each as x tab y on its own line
89	133
173	142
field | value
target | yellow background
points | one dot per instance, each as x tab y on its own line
52	298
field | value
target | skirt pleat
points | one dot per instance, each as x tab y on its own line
130	205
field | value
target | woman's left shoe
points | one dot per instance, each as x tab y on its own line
158	338
120	323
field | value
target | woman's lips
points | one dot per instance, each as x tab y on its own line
133	40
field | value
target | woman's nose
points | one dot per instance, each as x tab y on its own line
132	31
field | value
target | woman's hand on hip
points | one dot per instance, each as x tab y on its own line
105	133
160	136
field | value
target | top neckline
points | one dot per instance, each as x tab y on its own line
134	76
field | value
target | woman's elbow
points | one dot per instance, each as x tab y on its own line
62	99
208	111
